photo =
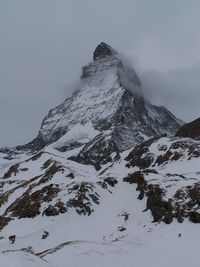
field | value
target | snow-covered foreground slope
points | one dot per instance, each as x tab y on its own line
158	247
22	259
100	220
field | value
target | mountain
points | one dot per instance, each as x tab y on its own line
108	179
108	113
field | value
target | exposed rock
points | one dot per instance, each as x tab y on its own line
68	147
58	208
12	239
70	175
143	156
51	171
191	130
36	156
24	169
161	209
136	157
188	202
137	178
97	152
162	159
108	182
194	217
84	196
125	215
47	164
103	50
13	170
185	203
28	205
45	235
121	228
4	221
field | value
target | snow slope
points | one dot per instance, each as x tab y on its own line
117	231
22	259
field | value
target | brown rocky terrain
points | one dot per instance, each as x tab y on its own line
191	130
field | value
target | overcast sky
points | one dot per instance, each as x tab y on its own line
44	44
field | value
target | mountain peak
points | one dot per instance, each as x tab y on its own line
103	50
109	103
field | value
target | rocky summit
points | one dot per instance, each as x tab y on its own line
109	178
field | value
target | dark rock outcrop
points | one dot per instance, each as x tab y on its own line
97	152
161	209
191	130
185	203
28	205
102	50
4	221
58	208
136	157
83	199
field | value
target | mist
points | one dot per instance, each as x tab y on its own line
178	90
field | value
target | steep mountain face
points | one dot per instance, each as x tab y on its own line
109	99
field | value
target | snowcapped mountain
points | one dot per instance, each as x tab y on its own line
109	178
109	101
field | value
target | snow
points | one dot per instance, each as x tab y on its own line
96	240
5	163
79	133
162	247
97	98
22	259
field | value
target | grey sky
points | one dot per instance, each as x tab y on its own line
44	44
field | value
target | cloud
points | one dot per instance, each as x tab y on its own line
179	90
